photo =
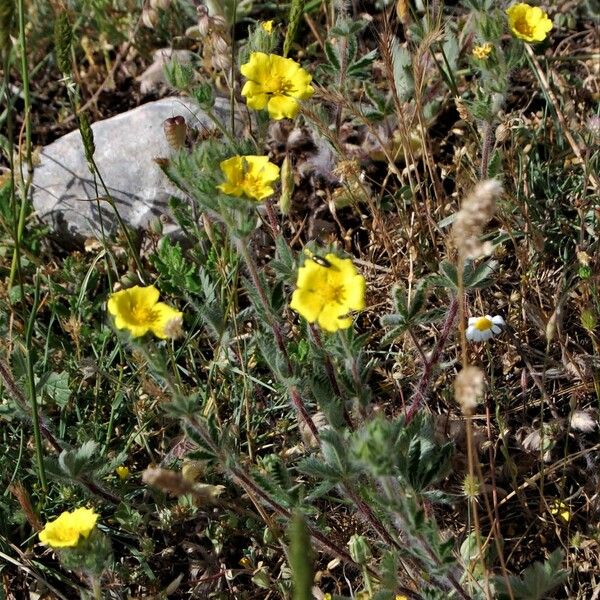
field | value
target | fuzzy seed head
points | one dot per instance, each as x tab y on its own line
468	388
476	212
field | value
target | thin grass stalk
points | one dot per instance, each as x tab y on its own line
469	418
35	417
25	182
233	70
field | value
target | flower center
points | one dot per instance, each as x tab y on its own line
277	85
523	27
252	186
482	324
140	314
333	294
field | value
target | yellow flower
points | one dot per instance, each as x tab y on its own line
560	509
327	289
275	83
138	310
528	23
66	530
123	472
249	176
267	26
483	51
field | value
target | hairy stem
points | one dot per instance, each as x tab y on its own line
420	392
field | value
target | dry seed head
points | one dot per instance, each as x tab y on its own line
175	129
502	132
149	18
287	186
468	388
463	111
583	420
160	4
476	212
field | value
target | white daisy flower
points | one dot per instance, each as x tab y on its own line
481	329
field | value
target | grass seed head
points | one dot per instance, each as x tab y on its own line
476	212
468	388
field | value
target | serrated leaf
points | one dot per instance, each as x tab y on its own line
537	580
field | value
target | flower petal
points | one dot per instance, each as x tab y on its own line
331	318
306	303
281	107
163	315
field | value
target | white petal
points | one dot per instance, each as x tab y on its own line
488	317
496	330
472	320
470	333
477	335
486	335
498	320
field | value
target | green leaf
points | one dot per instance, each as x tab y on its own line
403	77
57	388
537	580
360	68
480	276
333	55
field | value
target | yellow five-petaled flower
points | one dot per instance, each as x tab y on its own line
138	310
275	83
528	23
249	176
68	528
327	289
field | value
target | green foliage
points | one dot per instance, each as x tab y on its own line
56	386
182	76
393	448
7	13
294	17
230	401
408	312
474	277
402	64
341	51
178	274
537	580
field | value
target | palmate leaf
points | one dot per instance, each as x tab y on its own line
537	580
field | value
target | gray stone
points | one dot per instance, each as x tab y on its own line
64	193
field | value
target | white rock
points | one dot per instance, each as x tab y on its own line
64	193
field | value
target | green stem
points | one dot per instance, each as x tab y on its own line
96	587
25	184
31	385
